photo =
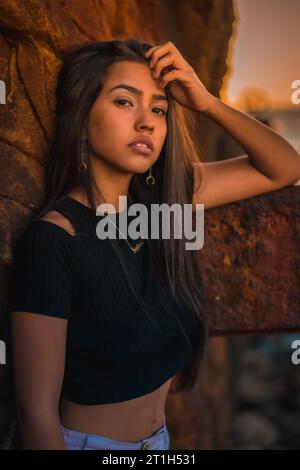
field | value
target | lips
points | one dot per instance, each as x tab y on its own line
140	149
143	140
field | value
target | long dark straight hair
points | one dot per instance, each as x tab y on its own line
80	80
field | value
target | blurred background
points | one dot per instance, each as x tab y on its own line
262	63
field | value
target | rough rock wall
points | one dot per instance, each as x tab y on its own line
33	33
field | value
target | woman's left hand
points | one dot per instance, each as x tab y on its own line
184	84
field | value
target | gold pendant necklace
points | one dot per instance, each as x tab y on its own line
137	247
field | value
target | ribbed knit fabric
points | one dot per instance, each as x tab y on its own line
116	349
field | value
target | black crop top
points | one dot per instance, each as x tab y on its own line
116	349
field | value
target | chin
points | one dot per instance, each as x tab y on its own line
139	167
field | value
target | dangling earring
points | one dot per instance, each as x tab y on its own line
150	180
83	156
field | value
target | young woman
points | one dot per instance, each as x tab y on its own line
103	329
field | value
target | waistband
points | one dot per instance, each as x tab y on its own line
91	441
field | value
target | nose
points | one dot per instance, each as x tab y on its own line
146	126
145	119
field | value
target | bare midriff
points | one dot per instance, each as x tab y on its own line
130	421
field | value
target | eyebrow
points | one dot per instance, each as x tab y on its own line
137	91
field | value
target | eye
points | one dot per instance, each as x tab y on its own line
162	110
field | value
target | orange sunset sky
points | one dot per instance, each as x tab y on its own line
264	50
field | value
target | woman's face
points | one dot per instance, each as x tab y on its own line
114	124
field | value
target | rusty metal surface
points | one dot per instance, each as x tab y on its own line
251	264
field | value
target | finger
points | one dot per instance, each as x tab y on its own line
150	51
170	76
160	51
168	60
152	48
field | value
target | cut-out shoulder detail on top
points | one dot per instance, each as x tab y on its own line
58	219
119	318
